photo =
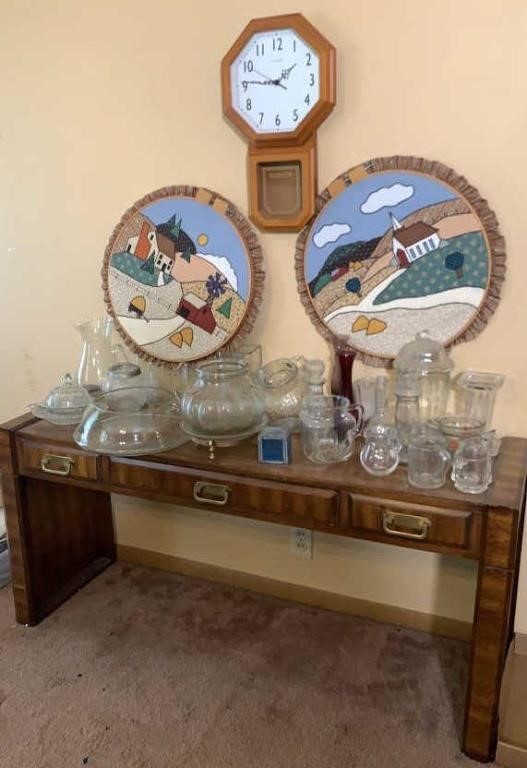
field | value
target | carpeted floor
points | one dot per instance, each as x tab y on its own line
144	669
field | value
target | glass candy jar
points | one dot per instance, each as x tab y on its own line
282	388
223	404
428	360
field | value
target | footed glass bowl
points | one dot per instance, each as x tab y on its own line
132	421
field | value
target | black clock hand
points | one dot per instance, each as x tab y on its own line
270	80
286	72
257	82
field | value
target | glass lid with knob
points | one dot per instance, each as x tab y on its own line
64	404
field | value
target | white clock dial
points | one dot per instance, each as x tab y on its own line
275	81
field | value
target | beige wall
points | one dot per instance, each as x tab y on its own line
103	101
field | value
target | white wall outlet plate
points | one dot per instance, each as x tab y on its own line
301	542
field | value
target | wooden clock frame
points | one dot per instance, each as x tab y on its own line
298	147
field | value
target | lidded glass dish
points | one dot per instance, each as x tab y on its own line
223	404
428	360
130	422
65	403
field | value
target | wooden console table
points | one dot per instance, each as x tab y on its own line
59	522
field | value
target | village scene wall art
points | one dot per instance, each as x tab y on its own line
178	276
392	253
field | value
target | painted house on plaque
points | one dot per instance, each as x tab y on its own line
162	244
196	311
411	242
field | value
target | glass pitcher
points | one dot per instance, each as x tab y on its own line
428	457
98	353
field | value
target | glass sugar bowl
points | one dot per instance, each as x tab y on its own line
428	360
223	405
327	428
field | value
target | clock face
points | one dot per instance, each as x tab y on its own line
275	81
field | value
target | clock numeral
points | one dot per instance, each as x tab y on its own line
277	43
308	59
277	120
311	79
248	66
248	105
295	115
307	99
261	117
245	85
260	49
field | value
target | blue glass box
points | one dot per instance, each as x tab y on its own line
274	445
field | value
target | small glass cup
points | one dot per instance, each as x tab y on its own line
428	458
472	466
327	428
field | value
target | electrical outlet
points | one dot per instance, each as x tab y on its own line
301	542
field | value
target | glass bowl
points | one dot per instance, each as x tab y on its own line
457	428
133	421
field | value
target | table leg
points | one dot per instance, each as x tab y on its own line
492	630
60	537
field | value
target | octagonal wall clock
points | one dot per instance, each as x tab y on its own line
278	86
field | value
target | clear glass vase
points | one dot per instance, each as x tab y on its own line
98	353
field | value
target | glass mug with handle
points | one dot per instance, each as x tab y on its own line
328	428
472	466
428	457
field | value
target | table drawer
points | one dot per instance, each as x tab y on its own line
437	528
233	494
54	461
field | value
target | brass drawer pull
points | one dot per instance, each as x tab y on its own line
390	521
56	465
211	493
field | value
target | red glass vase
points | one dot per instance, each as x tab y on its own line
342	375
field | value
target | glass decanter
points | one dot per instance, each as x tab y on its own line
407	392
380	453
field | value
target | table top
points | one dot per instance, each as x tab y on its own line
506	491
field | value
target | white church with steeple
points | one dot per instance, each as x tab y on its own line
412	242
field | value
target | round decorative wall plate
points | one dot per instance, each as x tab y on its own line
182	275
399	245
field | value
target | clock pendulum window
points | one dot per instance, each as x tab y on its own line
278	86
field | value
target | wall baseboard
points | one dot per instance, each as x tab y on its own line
438	625
509	756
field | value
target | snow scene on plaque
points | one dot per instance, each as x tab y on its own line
396	253
179	279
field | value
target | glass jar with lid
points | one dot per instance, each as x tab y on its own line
427	359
